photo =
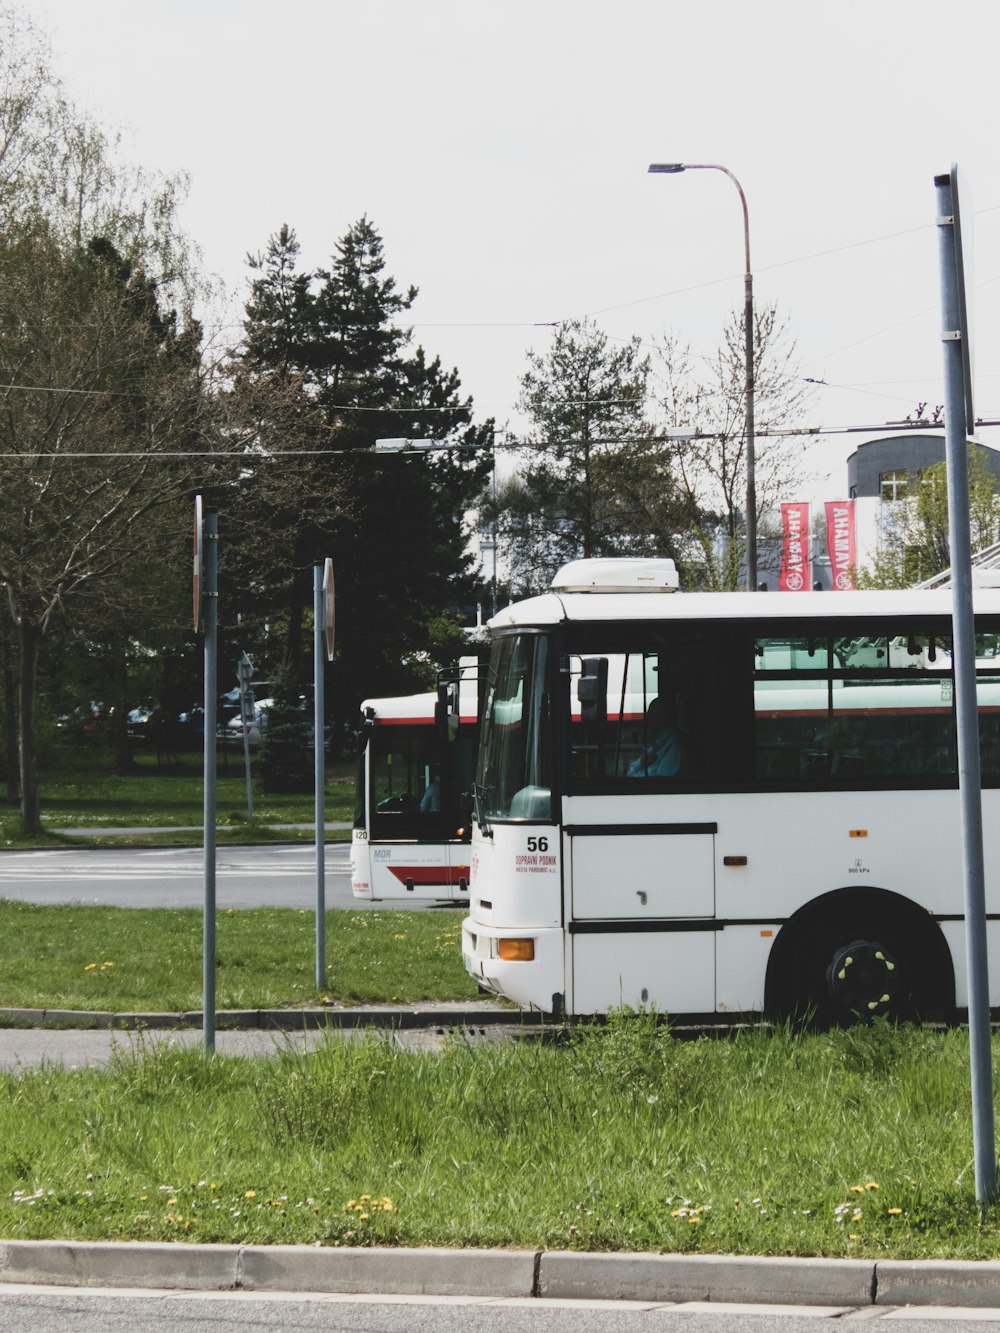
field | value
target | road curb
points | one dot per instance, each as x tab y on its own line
377	1016
747	1279
929	1282
497	1274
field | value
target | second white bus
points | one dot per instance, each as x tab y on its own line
793	846
412	799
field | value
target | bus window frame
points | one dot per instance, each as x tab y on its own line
733	720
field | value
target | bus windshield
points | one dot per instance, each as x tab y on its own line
513	780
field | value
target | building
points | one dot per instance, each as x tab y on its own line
888	468
880	473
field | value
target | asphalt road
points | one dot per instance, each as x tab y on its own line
280	875
49	1310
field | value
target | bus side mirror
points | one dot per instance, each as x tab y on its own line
446	708
592	690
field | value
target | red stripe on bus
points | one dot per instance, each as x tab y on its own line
430	874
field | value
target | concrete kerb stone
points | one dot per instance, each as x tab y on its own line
284	1268
397	1272
113	1264
938	1282
706	1277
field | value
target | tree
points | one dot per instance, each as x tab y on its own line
591	481
393	525
99	359
710	395
914	542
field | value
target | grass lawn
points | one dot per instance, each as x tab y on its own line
79	794
621	1137
134	959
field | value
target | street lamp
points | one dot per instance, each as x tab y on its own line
672	169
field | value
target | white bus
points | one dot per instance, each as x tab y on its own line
793	846
412	813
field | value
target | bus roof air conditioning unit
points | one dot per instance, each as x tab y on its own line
616	575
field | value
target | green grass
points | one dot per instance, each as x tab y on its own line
134	959
91	795
622	1137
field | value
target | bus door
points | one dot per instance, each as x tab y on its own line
640	871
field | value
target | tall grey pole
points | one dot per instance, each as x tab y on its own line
211	540
954	332
672	169
750	393
319	750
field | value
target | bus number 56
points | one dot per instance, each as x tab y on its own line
538	844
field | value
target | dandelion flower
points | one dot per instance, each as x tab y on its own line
894	1212
250	1194
872	1185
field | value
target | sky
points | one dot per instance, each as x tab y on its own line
501	150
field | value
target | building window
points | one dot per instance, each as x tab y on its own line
893	485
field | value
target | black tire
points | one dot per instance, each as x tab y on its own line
852	958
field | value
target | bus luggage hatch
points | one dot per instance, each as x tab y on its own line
642	921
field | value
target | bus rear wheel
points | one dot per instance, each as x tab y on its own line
851	958
863	980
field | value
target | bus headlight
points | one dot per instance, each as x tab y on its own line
516	951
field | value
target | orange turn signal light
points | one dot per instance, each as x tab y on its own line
516	951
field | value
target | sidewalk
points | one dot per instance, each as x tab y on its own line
75	1038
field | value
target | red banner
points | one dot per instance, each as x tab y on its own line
842	541
795	567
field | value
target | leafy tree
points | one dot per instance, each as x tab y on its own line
710	395
914	529
99	360
591	481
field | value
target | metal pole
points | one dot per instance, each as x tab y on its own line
493	578
969	776
211	538
751	443
673	168
319	750
244	673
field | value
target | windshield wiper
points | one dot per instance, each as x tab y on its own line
478	811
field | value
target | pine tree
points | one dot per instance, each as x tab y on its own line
393	525
591	481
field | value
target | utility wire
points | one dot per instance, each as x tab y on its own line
509	443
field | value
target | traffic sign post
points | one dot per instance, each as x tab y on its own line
209	714
244	672
323	636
